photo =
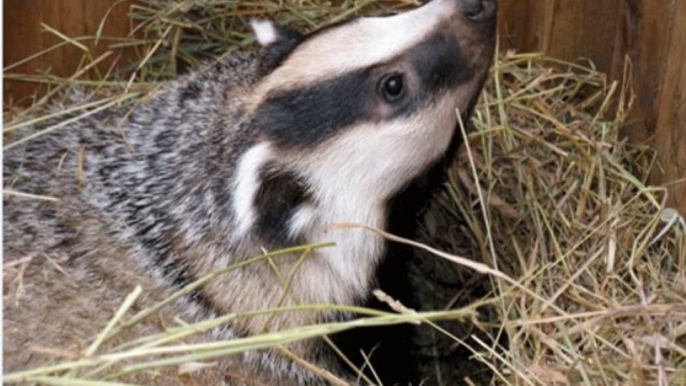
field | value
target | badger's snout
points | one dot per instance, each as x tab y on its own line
473	18
472	23
478	10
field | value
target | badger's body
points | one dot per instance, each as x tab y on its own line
350	124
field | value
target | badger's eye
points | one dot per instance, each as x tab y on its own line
392	87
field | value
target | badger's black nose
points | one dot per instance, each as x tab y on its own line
478	10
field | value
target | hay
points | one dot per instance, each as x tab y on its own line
587	277
549	192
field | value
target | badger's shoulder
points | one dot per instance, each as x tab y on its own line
117	157
127	123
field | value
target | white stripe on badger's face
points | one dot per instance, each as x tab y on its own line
246	185
358	44
373	160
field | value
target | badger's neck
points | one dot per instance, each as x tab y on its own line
282	199
280	202
352	263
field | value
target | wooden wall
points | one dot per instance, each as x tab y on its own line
652	33
24	37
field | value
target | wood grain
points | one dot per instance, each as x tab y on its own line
521	24
670	138
566	29
24	37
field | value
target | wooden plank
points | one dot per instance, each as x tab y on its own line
23	36
566	29
520	24
642	37
582	29
670	138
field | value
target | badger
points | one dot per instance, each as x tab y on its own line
259	151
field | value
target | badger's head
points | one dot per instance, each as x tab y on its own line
347	116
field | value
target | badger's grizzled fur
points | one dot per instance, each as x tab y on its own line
349	124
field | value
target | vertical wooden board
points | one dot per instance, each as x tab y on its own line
643	38
520	24
583	29
73	18
21	39
670	139
566	29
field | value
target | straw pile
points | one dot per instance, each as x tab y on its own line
548	192
581	270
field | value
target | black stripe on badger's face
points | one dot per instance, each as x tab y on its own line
304	116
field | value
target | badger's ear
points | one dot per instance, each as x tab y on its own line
268	33
277	42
